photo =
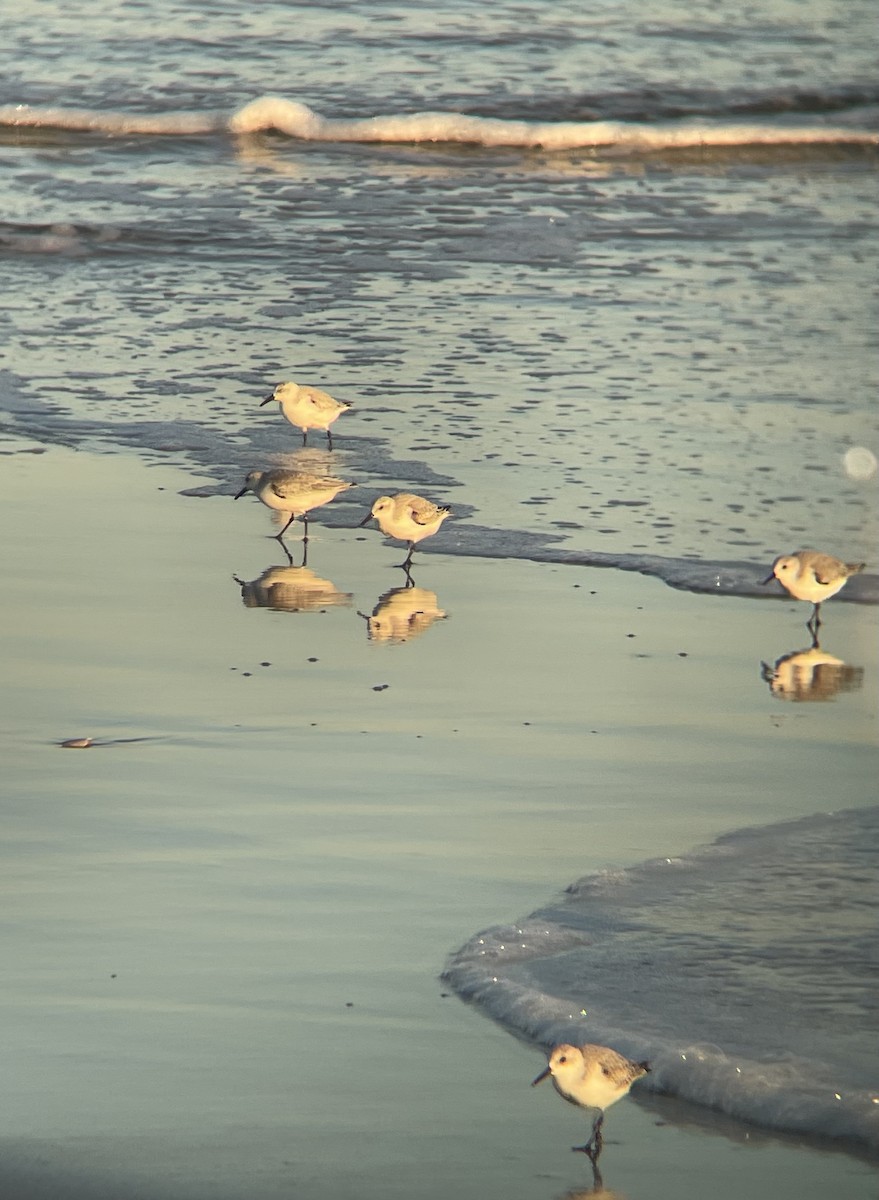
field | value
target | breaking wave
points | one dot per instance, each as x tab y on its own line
745	972
297	120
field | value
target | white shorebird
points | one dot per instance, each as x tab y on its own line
407	518
307	408
591	1077
813	576
293	492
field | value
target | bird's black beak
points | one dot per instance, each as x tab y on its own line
768	579
368	517
540	1078
267	400
238	495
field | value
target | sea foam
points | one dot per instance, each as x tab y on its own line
88	120
745	973
297	120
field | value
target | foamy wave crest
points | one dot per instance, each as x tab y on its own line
112	123
744	973
297	120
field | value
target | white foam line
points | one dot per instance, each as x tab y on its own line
299	121
90	120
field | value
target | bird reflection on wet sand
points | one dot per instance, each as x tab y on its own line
402	614
810	674
597	1192
291	589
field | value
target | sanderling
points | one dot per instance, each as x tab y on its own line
591	1077
407	518
307	408
810	575
293	492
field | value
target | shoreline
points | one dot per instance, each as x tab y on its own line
193	909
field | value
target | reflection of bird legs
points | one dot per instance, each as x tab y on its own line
290	561
242	582
592	1149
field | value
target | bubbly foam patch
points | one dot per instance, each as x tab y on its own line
114	123
744	972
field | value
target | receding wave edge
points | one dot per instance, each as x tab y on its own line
297	120
717	1005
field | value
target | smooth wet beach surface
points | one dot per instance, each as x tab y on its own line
226	920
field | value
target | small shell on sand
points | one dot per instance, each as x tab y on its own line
77	743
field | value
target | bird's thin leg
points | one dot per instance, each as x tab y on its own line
305	530
592	1149
286	527
816	618
329	440
304	437
597	1138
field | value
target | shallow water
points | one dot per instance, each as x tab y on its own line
280	817
666	354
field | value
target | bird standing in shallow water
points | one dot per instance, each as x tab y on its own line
307	408
813	576
293	492
407	518
591	1077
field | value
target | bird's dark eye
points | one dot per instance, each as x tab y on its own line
563	1059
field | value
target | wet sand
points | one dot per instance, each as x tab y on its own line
225	920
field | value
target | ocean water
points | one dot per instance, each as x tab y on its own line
655	339
603	280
